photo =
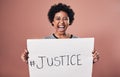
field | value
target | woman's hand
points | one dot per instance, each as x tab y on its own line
24	56
96	56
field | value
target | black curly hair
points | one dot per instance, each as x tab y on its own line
60	7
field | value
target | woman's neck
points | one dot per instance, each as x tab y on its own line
62	35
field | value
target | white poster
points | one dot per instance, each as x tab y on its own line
60	57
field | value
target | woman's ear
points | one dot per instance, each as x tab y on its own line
52	23
69	22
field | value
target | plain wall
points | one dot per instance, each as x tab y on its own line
23	19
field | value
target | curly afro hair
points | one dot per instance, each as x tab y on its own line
60	7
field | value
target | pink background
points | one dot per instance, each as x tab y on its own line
23	19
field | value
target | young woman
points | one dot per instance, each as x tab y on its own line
61	16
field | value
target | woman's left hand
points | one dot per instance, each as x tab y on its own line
96	56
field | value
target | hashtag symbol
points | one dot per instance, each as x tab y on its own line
32	63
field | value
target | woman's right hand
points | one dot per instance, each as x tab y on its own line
24	56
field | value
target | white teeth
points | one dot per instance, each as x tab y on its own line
61	26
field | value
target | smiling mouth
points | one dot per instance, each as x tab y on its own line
61	28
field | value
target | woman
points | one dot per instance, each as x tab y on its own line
61	17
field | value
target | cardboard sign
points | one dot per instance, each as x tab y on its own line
60	57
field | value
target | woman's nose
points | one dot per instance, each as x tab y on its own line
61	21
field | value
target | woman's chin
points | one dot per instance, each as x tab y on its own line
61	32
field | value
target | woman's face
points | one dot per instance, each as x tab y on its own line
61	22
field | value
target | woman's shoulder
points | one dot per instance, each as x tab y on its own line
73	36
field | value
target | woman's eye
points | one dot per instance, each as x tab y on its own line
61	18
65	19
57	18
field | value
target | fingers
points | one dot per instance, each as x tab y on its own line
95	56
26	51
95	53
24	56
